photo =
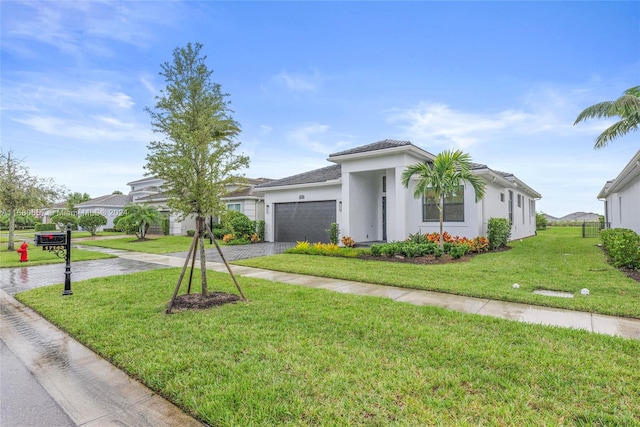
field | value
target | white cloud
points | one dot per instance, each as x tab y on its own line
80	28
310	136
432	121
298	82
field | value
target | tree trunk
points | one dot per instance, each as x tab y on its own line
203	257
12	228
440	209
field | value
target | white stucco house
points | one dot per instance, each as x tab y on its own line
621	197
110	206
363	193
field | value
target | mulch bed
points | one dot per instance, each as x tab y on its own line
197	301
429	259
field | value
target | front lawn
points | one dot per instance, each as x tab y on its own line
301	356
557	259
37	256
153	244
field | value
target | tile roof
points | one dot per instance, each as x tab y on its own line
319	175
108	200
380	145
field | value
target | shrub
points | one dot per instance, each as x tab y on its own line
255	238
46	227
62	220
622	246
165	226
541	221
218	230
228	237
459	250
239	224
259	228
91	222
418	238
348	241
499	231
334	232
191	233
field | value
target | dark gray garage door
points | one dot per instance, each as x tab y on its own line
295	222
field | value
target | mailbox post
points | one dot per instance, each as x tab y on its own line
57	243
67	268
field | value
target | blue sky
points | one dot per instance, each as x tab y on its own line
503	81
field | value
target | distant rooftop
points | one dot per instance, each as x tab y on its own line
319	175
380	145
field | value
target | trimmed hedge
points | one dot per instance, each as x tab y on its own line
46	227
622	246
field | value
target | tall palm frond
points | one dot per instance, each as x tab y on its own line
627	107
443	176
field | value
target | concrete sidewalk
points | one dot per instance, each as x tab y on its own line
598	323
65	384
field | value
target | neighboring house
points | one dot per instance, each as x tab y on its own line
110	206
580	217
245	198
363	193
52	210
551	218
242	197
621	197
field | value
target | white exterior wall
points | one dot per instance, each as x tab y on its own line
624	208
253	208
303	193
477	215
110	212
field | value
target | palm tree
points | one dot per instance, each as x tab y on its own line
627	107
442	177
137	218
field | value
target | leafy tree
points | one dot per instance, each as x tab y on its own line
91	222
138	218
627	108
197	156
541	221
74	198
21	190
117	192
443	176
62	219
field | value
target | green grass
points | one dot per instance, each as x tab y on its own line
557	259
154	245
297	356
37	256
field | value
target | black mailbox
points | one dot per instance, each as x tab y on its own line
50	239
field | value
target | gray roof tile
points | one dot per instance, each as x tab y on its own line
108	200
318	175
380	145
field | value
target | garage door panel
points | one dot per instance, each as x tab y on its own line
304	221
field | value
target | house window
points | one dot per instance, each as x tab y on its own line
453	207
511	206
502	197
384	184
522	197
519	200
234	207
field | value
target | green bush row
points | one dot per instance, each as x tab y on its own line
46	227
622	246
411	249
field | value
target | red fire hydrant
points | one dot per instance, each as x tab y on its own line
24	252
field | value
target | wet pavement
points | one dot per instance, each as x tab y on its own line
47	378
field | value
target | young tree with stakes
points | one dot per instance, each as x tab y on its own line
197	156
